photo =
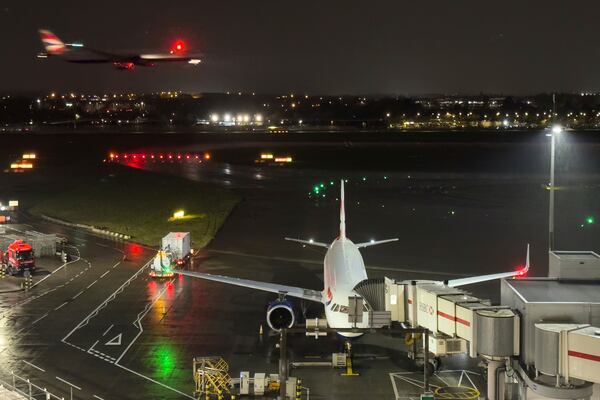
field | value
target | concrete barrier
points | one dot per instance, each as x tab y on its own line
87	227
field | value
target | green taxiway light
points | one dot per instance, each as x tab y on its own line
331	182
589	220
322	185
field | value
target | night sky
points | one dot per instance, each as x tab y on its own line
315	47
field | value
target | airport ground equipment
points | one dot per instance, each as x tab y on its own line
18	258
211	377
175	251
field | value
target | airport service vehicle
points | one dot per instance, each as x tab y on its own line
18	258
175	251
78	53
344	270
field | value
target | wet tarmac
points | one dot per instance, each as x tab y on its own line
116	334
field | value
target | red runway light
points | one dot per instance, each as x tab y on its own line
152	156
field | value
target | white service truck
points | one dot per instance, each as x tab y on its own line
175	251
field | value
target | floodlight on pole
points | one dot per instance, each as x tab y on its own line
556	130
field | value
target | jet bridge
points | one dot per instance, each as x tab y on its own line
543	339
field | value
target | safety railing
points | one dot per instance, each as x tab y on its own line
27	389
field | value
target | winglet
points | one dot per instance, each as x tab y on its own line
51	42
342	213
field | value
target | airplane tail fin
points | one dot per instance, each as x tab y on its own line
342	213
51	42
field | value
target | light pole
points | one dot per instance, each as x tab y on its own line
556	130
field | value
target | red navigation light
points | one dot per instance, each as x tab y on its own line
178	46
521	272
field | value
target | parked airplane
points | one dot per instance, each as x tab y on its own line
78	53
344	269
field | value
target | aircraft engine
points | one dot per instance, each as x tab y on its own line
280	314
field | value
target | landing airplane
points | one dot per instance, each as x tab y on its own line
78	53
344	269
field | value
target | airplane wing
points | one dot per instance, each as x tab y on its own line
375	242
481	278
306	294
190	58
484	278
308	242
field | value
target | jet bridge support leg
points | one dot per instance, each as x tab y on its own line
283	365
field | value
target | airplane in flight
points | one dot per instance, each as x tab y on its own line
78	53
344	269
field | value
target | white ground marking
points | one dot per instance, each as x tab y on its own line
138	322
39	319
116	341
68	383
61	306
98	397
108	299
91	284
152	380
34	366
443	381
406	377
106	331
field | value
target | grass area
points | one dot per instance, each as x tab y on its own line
140	203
